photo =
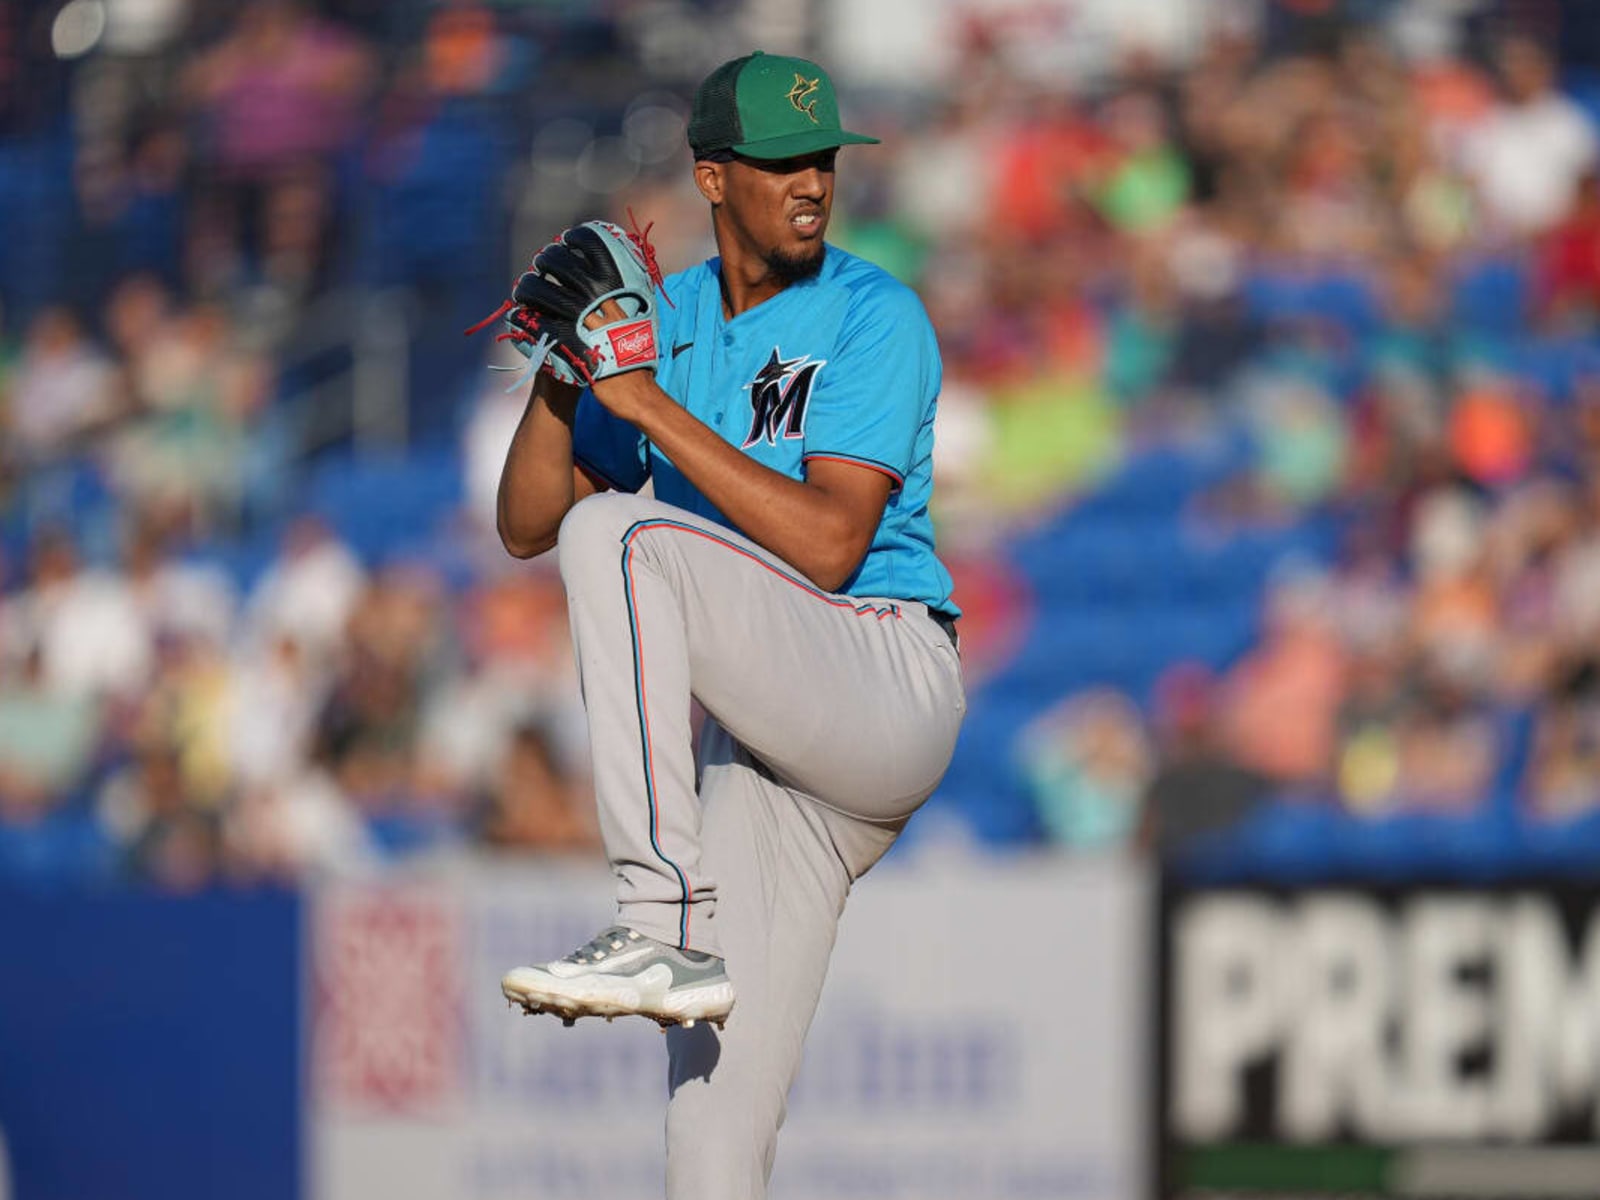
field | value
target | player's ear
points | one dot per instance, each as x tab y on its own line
708	177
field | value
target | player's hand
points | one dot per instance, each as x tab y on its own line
622	395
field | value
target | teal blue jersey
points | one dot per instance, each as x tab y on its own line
841	366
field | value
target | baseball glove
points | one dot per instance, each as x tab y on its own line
568	282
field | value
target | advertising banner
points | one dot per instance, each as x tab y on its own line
980	1035
1387	1043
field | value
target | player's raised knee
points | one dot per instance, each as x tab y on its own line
593	519
596	526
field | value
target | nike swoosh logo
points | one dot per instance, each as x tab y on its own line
677	350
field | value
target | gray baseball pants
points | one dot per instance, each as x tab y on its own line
831	718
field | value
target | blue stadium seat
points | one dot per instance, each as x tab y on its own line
66	848
1492	296
381	506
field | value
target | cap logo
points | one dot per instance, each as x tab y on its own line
802	90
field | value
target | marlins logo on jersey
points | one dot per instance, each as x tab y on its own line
779	396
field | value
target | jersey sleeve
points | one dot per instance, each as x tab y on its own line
607	447
872	396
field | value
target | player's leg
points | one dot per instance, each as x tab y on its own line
856	703
785	866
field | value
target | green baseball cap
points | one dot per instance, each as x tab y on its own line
767	106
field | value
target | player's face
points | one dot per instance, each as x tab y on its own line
778	210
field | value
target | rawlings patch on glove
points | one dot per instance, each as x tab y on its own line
570	281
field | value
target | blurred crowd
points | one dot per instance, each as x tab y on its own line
1382	271
1360	236
155	722
198	679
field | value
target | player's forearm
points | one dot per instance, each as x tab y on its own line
802	524
536	484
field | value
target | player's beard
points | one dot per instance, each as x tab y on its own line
793	267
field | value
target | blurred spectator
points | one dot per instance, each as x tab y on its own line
373	705
309	594
131	149
533	803
1197	790
185	708
274	700
183	457
181	601
517	672
1044	171
48	740
167	839
1279	703
1300	437
943	172
1088	763
279	96
1570	262
1529	154
1563	776
62	392
1489	431
302	827
1447	744
1576	582
371	722
1454	608
91	634
435	139
1367	760
1145	187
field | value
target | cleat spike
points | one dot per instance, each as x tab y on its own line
569	1022
689	1024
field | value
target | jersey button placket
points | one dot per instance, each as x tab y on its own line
724	352
727	339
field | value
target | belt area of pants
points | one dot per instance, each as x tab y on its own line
947	623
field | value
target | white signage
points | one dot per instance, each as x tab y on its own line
982	1036
1435	1017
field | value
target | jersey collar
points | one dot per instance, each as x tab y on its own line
830	267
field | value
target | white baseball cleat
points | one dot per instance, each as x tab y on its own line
621	972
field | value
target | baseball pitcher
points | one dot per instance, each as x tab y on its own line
781	399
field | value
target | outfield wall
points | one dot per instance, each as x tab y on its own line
983	1034
149	1046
